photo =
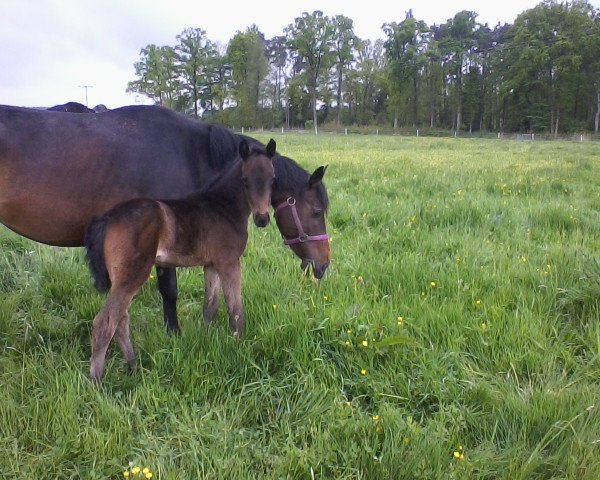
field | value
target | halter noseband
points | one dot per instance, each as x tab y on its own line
302	236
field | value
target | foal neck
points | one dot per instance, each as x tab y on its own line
228	190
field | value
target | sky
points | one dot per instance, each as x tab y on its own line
55	51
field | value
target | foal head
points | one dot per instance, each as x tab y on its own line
258	175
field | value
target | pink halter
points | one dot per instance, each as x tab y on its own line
302	236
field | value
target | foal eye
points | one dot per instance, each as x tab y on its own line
317	213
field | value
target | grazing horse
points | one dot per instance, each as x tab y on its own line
58	170
209	228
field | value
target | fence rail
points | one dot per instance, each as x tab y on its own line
327	130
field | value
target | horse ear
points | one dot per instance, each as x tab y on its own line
244	149
317	176
271	146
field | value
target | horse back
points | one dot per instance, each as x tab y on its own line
87	163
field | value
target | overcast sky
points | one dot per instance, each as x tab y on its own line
50	49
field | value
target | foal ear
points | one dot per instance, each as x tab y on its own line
317	176
244	149
271	146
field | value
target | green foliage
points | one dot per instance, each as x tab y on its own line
246	54
539	74
456	334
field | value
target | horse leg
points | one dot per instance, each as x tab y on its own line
212	287
167	286
231	279
103	330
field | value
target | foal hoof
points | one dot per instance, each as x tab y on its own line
130	368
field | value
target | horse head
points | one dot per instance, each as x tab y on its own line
300	217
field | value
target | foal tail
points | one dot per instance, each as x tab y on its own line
94	245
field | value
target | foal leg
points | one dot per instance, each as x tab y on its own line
231	278
212	287
103	330
167	286
124	339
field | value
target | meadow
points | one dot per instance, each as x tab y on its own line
455	336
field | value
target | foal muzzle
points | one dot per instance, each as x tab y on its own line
261	219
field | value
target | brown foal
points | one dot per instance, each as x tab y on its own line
209	229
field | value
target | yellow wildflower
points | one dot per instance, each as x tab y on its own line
433	284
363	371
375	418
126	473
365	343
145	470
459	453
135	470
148	475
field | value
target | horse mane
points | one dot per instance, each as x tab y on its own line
256	148
223	146
291	176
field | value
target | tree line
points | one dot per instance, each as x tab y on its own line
539	74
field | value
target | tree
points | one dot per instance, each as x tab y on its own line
456	42
344	44
276	52
310	38
405	49
157	75
194	53
365	82
246	54
545	54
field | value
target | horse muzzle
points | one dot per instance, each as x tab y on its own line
318	269
261	219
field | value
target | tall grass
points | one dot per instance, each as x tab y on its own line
455	336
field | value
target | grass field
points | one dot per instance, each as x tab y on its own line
456	335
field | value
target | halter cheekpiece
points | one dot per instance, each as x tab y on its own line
302	235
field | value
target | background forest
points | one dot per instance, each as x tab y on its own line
539	74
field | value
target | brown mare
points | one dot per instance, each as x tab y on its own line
209	228
58	170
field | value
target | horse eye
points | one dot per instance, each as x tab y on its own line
317	213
